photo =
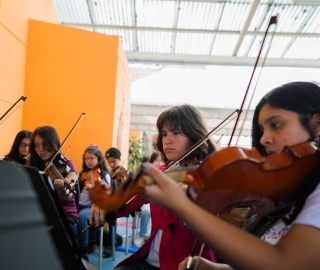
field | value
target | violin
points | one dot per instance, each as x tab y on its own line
231	178
120	174
188	161
91	177
59	169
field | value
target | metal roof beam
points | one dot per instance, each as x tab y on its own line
163	58
245	27
183	30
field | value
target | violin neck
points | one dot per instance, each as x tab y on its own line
54	172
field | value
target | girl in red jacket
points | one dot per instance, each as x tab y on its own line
171	240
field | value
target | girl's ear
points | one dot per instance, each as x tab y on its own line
316	122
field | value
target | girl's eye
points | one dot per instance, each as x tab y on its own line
163	134
275	125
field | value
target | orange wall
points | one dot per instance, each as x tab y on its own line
70	71
14	19
136	133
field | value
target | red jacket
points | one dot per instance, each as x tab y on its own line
176	240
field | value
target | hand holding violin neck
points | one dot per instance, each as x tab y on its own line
67	184
64	193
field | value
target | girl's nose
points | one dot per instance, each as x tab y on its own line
266	139
168	140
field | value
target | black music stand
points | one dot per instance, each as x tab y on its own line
25	242
54	223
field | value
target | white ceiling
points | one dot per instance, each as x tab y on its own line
159	36
226	32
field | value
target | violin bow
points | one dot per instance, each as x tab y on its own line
64	141
200	253
23	98
255	87
190	258
203	139
273	20
67	151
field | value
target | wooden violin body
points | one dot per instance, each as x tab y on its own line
241	177
91	177
232	177
120	174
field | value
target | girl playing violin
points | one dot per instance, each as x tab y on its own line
290	239
44	145
94	171
20	148
170	240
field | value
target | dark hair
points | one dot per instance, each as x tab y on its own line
101	162
51	142
189	121
154	156
300	97
14	152
113	152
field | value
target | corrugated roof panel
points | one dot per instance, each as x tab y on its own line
230	15
155	13
277	46
154	41
196	44
198	15
112	12
305	48
292	18
260	21
75	11
234	16
246	43
255	45
313	25
224	45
